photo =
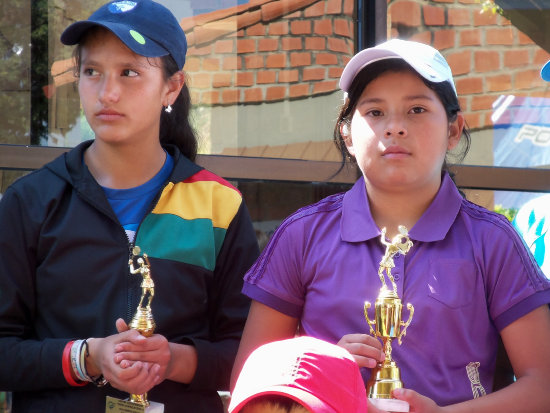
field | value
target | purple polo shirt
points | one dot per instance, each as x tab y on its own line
468	276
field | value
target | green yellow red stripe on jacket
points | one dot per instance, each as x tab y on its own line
189	222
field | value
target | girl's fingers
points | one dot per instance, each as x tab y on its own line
144	380
366	349
121	325
145	356
138	343
365	361
132	371
360	338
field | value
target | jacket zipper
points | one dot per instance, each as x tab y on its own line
132	245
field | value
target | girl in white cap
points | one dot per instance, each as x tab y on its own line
70	228
468	274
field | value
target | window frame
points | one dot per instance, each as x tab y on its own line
20	157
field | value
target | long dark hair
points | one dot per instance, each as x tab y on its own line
175	127
443	90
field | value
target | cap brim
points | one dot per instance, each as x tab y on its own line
545	72
302	397
72	35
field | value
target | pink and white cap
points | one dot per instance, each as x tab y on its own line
321	376
424	59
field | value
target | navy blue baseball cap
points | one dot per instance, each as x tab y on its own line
145	27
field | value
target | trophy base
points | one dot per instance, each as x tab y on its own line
114	405
390	405
143	321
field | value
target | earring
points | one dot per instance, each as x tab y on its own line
345	129
168	109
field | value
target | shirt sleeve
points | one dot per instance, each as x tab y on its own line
27	364
228	306
515	284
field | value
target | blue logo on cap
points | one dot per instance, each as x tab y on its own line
121	6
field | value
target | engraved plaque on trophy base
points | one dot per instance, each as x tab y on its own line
114	405
391	405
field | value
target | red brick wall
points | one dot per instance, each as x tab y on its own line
488	56
268	50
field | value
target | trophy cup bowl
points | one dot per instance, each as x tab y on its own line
387	326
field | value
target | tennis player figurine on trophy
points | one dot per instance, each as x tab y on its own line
143	318
144	323
387	325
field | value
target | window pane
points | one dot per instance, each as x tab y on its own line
7	177
496	51
263	75
15	65
269	202
264	78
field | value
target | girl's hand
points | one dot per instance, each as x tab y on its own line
154	350
138	378
417	402
365	349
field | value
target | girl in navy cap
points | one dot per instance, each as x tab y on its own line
70	228
468	274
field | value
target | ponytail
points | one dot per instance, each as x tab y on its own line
175	128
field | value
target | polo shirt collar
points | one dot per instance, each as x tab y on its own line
357	224
436	221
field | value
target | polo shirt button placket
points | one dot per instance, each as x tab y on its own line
398	272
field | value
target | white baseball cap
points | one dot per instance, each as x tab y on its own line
424	59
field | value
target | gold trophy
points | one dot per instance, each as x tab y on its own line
387	325
144	323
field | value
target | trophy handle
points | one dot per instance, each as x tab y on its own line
372	324
406	324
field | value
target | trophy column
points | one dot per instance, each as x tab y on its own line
387	325
143	322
